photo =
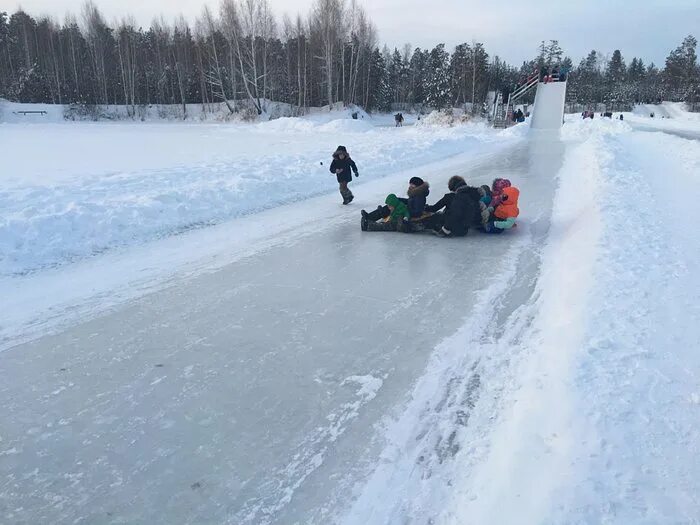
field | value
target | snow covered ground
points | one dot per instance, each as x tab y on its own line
281	366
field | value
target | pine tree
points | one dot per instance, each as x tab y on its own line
438	84
379	88
681	72
554	53
459	82
418	74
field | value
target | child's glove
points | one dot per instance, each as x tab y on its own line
357	174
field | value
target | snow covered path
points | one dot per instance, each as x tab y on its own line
249	394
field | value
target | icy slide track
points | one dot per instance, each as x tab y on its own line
252	394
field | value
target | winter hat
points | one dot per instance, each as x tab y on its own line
456	182
499	185
416	181
340	149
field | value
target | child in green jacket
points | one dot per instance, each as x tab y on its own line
395	214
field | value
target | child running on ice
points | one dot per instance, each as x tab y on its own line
341	166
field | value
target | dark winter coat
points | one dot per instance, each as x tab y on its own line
417	199
346	165
461	210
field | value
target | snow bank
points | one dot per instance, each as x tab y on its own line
528	460
12	112
443	118
287	125
666	110
636	372
352	126
102	185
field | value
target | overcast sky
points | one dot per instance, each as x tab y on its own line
508	28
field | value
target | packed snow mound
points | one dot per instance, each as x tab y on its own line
286	125
337	111
444	118
579	128
344	126
679	111
672	110
303	125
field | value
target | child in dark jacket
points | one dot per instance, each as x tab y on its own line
418	190
461	210
342	165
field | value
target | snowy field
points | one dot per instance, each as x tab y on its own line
196	331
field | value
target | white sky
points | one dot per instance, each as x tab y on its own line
508	28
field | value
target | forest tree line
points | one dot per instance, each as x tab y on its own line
241	55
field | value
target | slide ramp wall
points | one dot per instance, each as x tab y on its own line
548	112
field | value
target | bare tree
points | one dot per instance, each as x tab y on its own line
182	40
327	21
127	44
249	27
96	36
214	73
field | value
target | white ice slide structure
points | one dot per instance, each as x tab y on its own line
549	105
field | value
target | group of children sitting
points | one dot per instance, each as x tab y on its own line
490	209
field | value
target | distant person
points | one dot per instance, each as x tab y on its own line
506	93
622	117
342	165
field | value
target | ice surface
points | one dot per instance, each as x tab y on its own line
248	395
